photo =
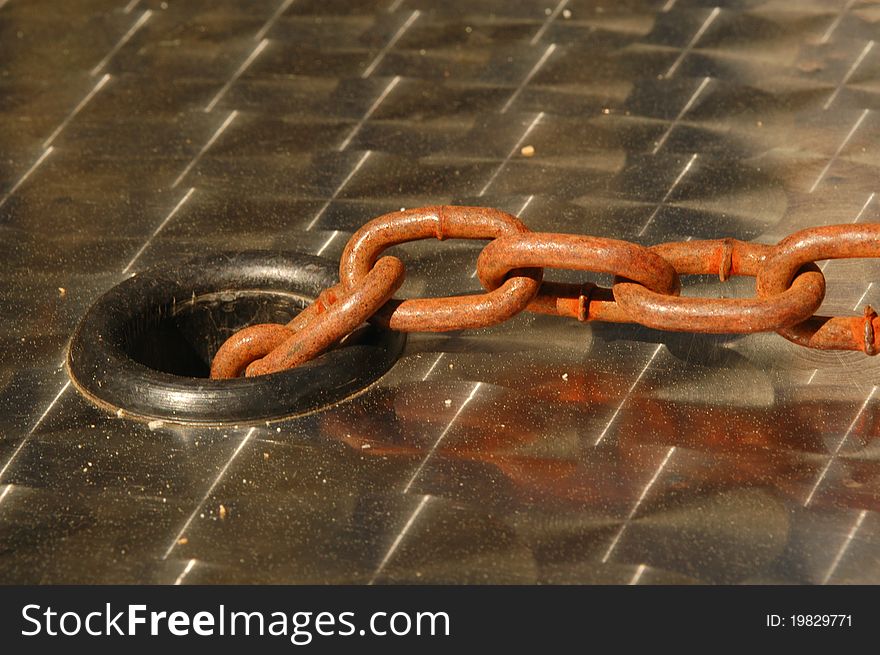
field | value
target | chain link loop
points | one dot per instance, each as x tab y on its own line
584	253
816	244
725	257
442	222
646	288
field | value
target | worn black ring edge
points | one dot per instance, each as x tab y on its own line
108	378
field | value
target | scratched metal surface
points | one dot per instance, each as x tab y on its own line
540	451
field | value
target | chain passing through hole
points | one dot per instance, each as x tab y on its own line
646	288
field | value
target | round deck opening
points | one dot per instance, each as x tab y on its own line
146	346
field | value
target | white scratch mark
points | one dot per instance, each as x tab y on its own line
226	123
858	304
864	207
528	78
48	151
836	21
681	114
626	397
139	23
840	148
852	69
812	376
690	46
5	492
399	539
129	7
82	103
513	150
164	222
395	6
32	430
668	6
328	242
185	572
553	15
639	571
442	435
845	546
638	504
433	366
238	73
525	205
680	177
208	493
394	39
272	19
43	416
393	83
825	470
347	179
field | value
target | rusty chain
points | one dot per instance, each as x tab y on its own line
790	287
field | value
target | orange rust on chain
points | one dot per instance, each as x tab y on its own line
339	319
257	341
572	251
725	257
441	222
584	302
816	244
646	287
246	346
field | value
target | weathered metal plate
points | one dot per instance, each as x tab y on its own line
141	133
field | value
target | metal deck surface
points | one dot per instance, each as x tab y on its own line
541	451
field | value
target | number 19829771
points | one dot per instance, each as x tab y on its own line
809	621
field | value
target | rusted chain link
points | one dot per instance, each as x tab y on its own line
257	341
790	287
443	222
267	348
815	244
725	257
569	251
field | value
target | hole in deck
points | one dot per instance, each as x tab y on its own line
181	338
145	347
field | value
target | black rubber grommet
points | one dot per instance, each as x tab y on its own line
146	345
